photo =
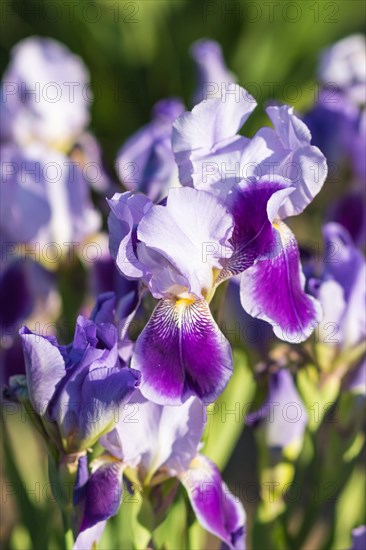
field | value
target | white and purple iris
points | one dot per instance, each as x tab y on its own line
162	442
216	226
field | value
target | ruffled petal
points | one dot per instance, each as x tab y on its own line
216	509
254	206
213	120
211	127
181	352
126	212
191	233
294	158
273	290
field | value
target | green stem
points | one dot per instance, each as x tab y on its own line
68	534
68	538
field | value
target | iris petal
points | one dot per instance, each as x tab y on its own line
181	352
217	510
273	290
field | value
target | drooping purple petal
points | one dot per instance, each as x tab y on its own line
103	493
181	352
102	497
273	290
349	211
216	509
283	412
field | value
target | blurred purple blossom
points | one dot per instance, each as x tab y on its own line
145	162
45	94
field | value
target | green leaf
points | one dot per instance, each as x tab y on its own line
225	417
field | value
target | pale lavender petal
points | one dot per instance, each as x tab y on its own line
211	72
273	290
45	368
191	232
343	64
181	352
155	437
216	509
293	157
345	266
23	196
126	212
40	71
88	539
104	393
211	127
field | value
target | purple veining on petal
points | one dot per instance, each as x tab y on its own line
273	290
181	352
253	235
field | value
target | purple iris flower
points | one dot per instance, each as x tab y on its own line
177	250
211	155
158	443
334	127
359	538
78	389
344	65
45	94
47	190
211	71
145	162
277	175
283	413
341	289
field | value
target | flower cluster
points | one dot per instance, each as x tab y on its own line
198	240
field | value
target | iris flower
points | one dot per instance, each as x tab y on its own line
158	443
